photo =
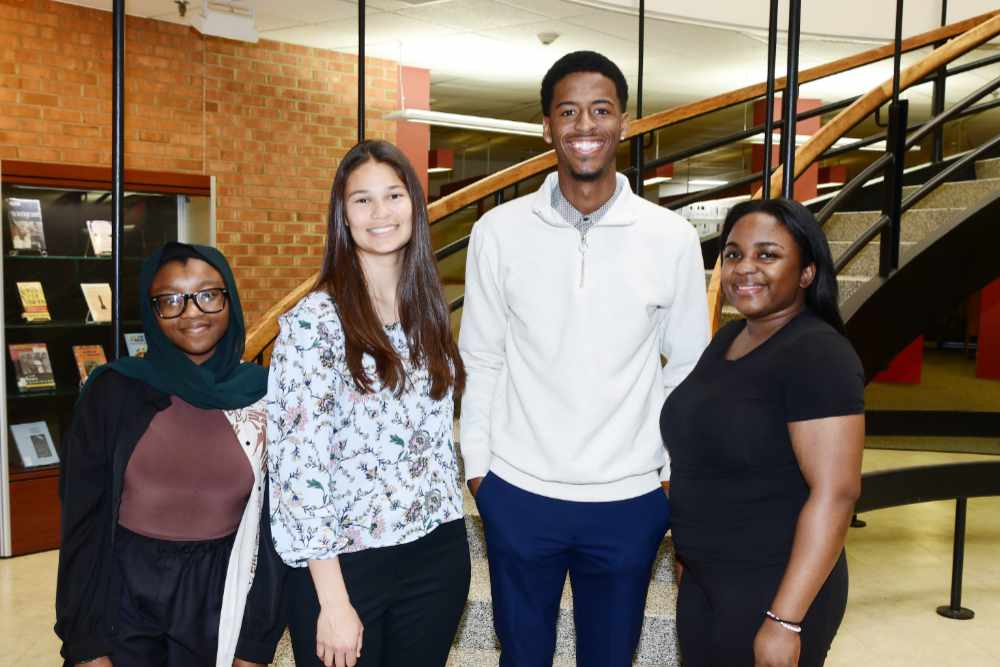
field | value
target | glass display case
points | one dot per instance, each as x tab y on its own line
57	266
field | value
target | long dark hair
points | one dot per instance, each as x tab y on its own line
822	294
423	312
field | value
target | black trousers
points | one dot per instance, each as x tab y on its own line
719	614
171	601
409	597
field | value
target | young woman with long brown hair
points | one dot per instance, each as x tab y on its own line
367	503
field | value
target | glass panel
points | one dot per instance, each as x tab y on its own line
52	245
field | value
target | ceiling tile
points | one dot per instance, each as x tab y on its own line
556	9
309	11
473	15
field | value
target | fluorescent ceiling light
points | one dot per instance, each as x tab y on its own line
878	147
831	184
656	180
464	122
707	182
438	170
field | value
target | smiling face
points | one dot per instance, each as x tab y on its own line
379	210
195	333
762	272
584	125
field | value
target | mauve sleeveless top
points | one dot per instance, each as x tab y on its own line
188	478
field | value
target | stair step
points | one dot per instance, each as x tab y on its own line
865	263
988	168
848	285
464	657
916	223
957	194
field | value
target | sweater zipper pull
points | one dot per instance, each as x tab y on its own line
583	258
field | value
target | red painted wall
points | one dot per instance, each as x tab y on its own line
414	139
805	184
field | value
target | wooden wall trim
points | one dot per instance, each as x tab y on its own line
100	178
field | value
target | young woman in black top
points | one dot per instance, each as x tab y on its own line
165	558
765	439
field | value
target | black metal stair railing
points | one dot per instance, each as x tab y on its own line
889	259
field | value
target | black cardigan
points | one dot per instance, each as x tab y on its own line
108	422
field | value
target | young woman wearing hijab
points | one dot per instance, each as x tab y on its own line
367	504
765	439
164	559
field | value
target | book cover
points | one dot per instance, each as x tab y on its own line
34	444
100	236
33	302
136	344
26	230
88	357
32	366
98	296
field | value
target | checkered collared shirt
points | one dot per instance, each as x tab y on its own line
582	222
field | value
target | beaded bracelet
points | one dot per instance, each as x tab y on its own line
787	625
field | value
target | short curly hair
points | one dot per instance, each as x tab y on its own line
582	61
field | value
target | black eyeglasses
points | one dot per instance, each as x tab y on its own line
208	301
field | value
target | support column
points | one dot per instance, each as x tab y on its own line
988	350
805	185
414	139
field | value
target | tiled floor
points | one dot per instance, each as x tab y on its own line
900	571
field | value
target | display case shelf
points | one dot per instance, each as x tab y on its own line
46	239
72	258
64	324
58	392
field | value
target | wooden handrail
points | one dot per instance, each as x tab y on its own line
265	329
865	105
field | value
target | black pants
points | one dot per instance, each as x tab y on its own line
719	614
409	597
171	601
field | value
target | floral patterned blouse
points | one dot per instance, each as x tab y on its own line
351	471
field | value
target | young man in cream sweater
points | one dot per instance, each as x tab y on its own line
572	295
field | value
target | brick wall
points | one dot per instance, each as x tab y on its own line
268	120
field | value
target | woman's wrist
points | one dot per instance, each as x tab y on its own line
791	626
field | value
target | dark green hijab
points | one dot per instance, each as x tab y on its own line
222	382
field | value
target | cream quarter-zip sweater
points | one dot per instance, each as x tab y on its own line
561	338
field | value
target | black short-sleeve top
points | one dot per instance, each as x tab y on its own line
735	486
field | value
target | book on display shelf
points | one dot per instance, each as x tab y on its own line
135	343
33	302
32	366
27	234
98	296
100	236
88	357
34	444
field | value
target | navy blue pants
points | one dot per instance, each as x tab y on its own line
607	548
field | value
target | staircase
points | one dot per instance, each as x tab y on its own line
940	207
